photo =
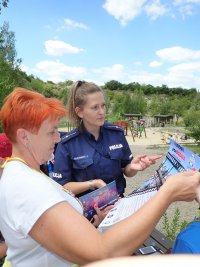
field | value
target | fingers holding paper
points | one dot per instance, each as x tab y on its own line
183	186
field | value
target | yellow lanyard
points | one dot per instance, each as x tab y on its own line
12	159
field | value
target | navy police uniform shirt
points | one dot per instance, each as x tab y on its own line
79	157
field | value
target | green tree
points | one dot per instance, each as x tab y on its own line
3	3
117	105
137	104
8	52
192	122
9	64
113	85
130	103
10	74
154	105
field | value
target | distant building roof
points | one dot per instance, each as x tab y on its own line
133	115
163	116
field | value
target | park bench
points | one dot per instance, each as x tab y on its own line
160	242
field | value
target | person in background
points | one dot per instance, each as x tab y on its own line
96	152
45	225
5	151
187	241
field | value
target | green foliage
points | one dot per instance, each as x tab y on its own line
138	103
113	85
192	122
172	227
114	117
149	89
195	103
129	103
3	3
7	46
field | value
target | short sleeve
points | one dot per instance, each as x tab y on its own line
127	154
181	247
29	197
62	165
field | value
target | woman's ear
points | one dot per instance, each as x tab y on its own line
22	136
79	112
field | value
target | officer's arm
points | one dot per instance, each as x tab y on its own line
62	169
80	187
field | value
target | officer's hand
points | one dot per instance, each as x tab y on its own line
141	162
98	183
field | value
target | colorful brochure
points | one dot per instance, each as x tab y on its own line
102	197
178	159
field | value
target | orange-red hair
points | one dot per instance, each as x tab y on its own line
28	109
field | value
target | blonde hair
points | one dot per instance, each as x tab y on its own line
78	97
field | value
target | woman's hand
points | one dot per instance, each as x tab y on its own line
183	186
141	162
101	214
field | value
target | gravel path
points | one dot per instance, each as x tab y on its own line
187	209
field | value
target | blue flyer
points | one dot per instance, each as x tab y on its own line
178	159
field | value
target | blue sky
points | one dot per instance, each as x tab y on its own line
151	42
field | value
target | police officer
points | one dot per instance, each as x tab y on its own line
95	152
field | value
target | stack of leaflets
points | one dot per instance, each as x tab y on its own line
124	208
178	159
102	197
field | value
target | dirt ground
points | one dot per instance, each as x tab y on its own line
153	145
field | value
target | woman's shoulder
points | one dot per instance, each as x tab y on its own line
70	136
112	127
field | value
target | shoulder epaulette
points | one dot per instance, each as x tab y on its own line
70	135
114	127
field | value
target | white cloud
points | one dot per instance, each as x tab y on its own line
184	68
144	77
182	2
178	54
124	10
75	24
171	79
155	64
186	7
127	10
180	75
114	72
56	71
59	48
155	9
185	75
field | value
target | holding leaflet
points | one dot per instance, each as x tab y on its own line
178	159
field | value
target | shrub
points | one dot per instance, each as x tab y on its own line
172	227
